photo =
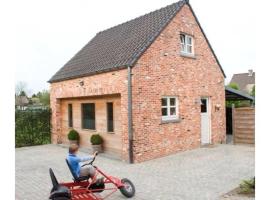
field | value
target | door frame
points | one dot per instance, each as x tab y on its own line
209	111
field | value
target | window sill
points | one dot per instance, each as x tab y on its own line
86	129
188	55
111	132
170	121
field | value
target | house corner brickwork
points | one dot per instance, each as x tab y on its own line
162	71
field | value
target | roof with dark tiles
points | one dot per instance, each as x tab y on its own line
119	46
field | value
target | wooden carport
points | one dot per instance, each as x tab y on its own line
240	121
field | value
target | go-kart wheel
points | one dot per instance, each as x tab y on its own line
128	190
61	198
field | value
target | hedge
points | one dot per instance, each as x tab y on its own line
32	127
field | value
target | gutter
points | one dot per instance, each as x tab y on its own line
130	131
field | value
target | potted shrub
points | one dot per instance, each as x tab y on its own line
96	141
73	137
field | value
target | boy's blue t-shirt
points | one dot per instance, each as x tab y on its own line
74	161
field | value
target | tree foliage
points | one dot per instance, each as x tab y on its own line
44	97
252	93
22	93
233	86
235	102
20	88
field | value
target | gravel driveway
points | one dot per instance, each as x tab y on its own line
200	174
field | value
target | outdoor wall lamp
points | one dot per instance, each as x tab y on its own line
217	107
81	83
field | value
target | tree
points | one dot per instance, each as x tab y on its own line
252	93
44	97
235	102
20	87
233	86
22	93
39	94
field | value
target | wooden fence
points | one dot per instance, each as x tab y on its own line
243	125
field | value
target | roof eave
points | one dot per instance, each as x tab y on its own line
52	80
238	92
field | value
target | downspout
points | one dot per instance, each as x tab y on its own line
130	132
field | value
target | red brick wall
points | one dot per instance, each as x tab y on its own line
109	83
159	72
162	71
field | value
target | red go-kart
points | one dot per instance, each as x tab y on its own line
82	188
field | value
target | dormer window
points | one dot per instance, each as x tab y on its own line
186	44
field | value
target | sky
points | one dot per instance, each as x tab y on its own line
49	33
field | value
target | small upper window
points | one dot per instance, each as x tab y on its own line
169	108
186	44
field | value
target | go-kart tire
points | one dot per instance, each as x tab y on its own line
128	190
61	198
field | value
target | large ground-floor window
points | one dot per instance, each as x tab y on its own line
169	108
88	116
110	127
70	116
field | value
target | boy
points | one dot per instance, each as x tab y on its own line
74	161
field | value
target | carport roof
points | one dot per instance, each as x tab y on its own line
232	94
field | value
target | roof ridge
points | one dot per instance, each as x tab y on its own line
178	2
242	73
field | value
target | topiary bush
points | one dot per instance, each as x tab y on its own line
73	135
96	139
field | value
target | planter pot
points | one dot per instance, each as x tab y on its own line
97	147
74	142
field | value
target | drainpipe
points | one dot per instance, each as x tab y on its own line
130	133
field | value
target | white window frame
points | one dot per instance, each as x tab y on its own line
184	50
168	106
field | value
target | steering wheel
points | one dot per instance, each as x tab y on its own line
91	162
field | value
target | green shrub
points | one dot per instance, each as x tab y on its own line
96	139
32	127
233	86
73	135
247	186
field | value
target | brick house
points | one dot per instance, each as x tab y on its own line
245	81
151	87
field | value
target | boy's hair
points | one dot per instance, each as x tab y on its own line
73	148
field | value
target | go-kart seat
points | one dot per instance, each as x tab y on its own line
75	177
58	190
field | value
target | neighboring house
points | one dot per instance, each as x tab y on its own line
245	81
151	87
21	102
